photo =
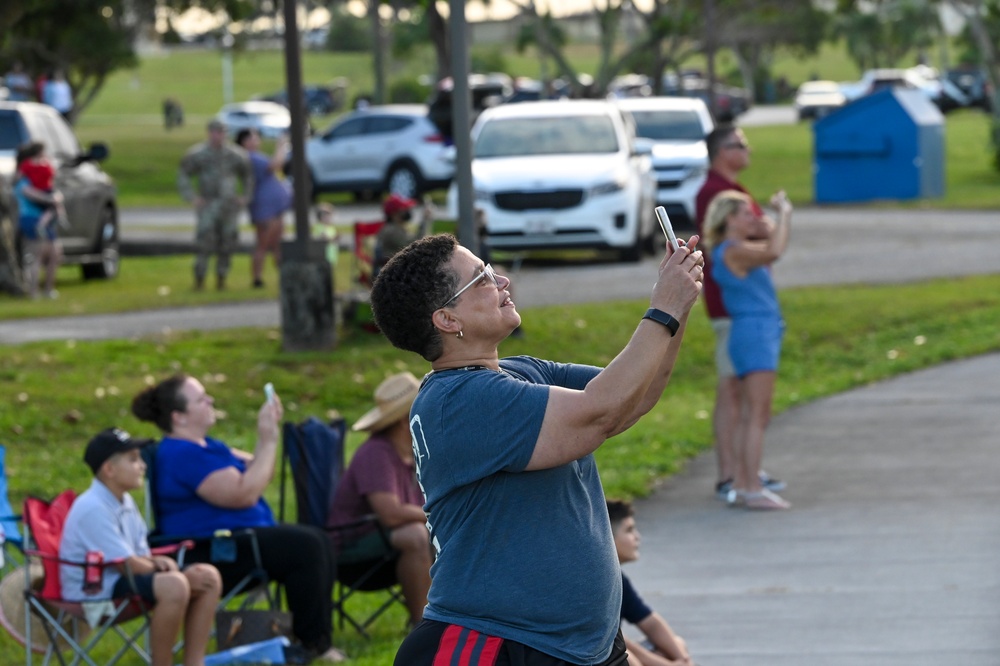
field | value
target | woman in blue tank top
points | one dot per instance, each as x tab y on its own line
742	268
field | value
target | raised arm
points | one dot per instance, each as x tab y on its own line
742	257
232	489
576	423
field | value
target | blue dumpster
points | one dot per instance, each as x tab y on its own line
887	145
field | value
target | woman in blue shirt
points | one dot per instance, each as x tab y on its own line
742	268
202	486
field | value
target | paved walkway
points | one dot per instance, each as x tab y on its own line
891	553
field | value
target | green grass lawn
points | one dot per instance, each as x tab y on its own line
57	394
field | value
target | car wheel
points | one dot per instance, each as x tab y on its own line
404	179
107	247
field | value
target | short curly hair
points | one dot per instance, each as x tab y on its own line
414	283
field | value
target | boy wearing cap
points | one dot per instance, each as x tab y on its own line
395	235
105	519
381	479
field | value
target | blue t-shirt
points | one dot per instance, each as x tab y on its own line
181	466
30	212
634	609
525	556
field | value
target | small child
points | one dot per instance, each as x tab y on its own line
105	519
663	647
41	175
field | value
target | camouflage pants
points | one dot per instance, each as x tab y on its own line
217	233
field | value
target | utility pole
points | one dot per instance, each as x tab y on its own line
460	123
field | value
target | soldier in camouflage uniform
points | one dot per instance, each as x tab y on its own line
218	165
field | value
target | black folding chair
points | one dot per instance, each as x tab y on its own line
315	452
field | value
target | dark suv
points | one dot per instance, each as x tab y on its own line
91	239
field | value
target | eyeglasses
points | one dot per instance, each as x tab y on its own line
739	145
487	272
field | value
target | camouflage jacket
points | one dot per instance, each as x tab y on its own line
217	171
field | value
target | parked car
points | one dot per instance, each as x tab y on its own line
269	118
944	94
730	101
393	148
973	82
815	99
562	174
91	238
318	100
677	126
486	90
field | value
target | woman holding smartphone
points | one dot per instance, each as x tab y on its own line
741	267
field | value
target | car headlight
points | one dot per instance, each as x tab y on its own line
609	187
698	172
481	195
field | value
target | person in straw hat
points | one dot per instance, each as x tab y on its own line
526	569
105	519
381	480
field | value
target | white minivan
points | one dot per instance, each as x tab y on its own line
678	127
563	174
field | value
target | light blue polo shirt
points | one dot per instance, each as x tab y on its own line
97	521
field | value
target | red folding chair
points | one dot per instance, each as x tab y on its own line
62	622
365	234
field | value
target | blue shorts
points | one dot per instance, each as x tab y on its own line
755	344
28	226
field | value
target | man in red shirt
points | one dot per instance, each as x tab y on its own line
728	155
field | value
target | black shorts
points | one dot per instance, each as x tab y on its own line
143	586
439	644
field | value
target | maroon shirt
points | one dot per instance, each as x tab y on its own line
375	468
715	183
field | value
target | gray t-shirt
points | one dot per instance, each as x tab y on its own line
97	521
525	556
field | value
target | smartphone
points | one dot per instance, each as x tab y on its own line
668	231
269	391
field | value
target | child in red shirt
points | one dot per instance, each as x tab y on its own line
41	175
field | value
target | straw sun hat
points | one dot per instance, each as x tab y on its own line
393	399
12	611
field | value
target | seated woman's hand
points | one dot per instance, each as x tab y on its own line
269	420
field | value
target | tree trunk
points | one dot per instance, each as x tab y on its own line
11	277
973	13
378	57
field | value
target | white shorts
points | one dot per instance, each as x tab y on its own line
723	361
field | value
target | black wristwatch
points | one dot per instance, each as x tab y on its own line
661	317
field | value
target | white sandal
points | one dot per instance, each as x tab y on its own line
764	500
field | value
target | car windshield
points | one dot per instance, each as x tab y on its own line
668	125
560	135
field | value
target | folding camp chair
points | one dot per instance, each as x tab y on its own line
315	452
365	251
52	624
11	541
256	584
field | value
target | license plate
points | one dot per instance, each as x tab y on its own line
540	226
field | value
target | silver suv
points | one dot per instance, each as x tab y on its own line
393	148
92	237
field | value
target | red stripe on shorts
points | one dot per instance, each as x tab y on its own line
449	647
446	648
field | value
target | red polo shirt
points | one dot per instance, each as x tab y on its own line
714	184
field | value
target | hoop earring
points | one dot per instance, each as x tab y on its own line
460	335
